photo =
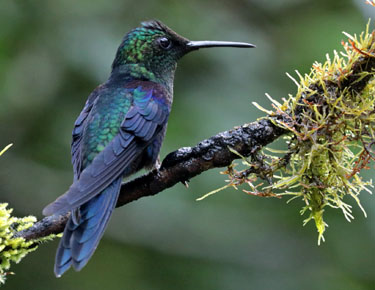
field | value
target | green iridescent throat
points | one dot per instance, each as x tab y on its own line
140	71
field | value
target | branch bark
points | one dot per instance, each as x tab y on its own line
180	166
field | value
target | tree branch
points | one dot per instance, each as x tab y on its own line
331	81
180	166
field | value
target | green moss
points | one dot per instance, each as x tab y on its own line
13	249
331	125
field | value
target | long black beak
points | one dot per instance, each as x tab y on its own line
207	43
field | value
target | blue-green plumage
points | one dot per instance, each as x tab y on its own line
119	131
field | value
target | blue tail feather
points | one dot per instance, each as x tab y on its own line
80	240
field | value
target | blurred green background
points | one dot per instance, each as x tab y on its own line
54	53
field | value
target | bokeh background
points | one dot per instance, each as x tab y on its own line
54	53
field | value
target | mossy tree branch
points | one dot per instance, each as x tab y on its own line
308	119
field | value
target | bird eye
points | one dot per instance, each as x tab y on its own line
165	43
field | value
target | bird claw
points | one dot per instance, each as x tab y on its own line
185	182
157	164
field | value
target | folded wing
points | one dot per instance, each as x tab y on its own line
144	120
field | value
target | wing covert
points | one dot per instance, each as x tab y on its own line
77	134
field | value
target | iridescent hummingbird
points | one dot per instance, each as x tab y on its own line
119	131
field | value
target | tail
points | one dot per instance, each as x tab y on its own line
82	234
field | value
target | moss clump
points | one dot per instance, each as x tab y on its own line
331	121
330	125
12	248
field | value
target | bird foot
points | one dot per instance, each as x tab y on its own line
185	182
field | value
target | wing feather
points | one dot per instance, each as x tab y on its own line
77	133
141	125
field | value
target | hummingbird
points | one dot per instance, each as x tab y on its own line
119	131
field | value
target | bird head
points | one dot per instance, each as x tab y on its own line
154	49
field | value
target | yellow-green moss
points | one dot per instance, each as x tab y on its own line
331	139
332	125
13	249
